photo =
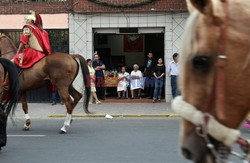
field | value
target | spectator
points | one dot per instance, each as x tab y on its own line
99	66
136	81
55	98
92	81
174	73
148	73
123	79
159	72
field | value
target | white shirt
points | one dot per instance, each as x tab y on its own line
136	83
173	68
123	84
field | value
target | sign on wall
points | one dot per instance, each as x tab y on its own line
133	43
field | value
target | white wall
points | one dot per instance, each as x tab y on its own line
81	31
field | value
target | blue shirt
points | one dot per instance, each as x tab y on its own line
98	73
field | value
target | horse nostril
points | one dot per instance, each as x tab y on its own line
186	153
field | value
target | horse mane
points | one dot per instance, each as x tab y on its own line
10	70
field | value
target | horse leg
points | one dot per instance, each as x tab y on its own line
75	94
3	124
64	94
25	110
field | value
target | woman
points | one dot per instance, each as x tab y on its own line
92	81
136	81
158	72
123	78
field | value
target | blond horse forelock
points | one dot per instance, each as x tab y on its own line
190	33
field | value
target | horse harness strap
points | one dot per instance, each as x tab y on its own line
217	98
206	124
8	52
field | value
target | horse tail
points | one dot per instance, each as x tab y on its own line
85	74
10	71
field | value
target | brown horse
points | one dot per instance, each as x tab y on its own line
9	88
214	81
58	68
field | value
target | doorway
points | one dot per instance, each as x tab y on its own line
117	50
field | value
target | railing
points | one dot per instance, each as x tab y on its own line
17	1
59	39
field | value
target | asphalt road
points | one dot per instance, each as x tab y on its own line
95	141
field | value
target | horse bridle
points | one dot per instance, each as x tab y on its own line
217	97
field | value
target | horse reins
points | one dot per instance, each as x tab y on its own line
217	98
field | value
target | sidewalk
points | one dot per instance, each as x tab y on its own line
46	110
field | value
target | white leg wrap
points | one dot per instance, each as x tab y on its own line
66	122
27	116
67	119
63	129
26	127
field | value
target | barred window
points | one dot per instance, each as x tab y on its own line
59	38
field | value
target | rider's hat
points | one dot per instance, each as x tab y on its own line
32	16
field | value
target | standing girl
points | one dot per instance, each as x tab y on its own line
158	72
92	81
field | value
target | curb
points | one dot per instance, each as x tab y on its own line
116	115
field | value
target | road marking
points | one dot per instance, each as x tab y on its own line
26	135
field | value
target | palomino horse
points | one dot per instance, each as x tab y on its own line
214	81
58	68
9	87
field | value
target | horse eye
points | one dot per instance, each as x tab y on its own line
202	64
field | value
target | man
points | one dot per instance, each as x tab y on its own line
99	66
148	73
174	73
34	43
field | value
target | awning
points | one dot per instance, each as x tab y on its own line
146	30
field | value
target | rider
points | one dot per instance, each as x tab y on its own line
34	43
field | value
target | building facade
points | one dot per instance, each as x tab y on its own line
104	25
55	20
123	31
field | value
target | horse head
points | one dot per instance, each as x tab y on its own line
215	77
7	47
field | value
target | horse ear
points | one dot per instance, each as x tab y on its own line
204	6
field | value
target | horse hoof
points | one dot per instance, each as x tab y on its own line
26	129
71	121
62	132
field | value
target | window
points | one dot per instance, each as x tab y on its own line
59	40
